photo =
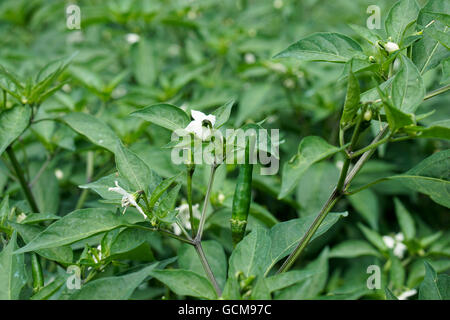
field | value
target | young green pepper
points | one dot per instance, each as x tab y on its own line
242	197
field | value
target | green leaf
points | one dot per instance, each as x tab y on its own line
133	169
311	149
367	205
405	220
286	279
161	188
114	288
402	15
312	286
88	78
260	291
389	294
250	255
39	217
12	123
223	113
351	99
286	235
374	237
315	186
428	53
61	254
397	271
13	275
438	129
186	283
102	185
46	292
431	177
417	271
144	63
77	225
366	33
188	260
92	128
165	115
323	46
408	89
442	37
353	249
434	287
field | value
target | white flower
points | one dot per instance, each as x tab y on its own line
99	251
289	83
391	47
184	218
21	217
277	4
128	199
201	125
405	295
396	244
59	174
249	58
132	38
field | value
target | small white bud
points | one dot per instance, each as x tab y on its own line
391	47
249	58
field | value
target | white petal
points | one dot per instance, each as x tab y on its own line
391	47
407	294
118	189
399	237
194	127
389	241
211	118
176	229
198	115
399	250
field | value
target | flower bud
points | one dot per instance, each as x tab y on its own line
391	47
368	115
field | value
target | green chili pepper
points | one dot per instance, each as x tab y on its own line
242	198
36	270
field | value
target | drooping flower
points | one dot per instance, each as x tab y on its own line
405	295
184	218
128	199
202	125
396	244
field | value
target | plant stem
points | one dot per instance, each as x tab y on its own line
208	271
89	172
198	237
22	181
190	173
334	197
369	147
437	91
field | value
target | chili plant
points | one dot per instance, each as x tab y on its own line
114	187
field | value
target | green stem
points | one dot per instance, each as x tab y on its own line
206	267
369	147
198	237
437	91
334	197
190	173
89	172
21	177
